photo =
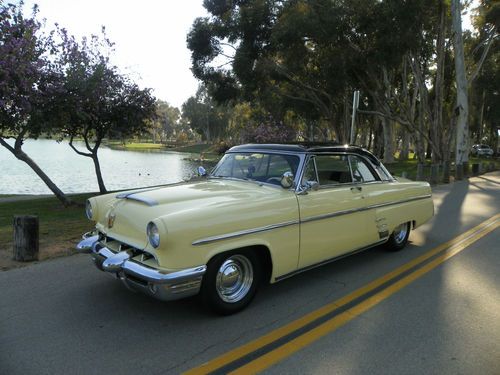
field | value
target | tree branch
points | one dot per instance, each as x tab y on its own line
76	150
486	50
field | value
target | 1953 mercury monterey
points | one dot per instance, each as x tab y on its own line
266	212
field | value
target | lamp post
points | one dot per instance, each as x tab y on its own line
355	105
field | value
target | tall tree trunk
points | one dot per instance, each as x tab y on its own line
21	155
93	155
370	138
388	129
378	140
437	126
98	173
462	107
405	145
481	118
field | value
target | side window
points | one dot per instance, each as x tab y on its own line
333	169
360	171
309	172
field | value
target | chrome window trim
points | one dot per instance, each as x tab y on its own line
350	168
266	228
300	166
307	158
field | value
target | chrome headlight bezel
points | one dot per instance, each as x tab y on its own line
153	234
89	210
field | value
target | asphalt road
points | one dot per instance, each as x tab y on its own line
65	317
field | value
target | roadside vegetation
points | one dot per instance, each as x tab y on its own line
60	228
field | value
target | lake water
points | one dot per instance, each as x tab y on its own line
73	173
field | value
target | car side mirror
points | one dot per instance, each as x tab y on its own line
287	180
202	172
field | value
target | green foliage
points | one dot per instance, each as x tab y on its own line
205	116
165	124
28	78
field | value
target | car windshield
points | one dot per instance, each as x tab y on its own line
260	167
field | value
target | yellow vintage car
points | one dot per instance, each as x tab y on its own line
265	213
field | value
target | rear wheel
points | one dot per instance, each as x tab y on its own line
399	238
231	281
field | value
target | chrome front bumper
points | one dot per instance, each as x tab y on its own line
139	277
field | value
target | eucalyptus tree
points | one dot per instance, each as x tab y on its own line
166	121
277	53
29	83
482	61
98	101
207	117
484	91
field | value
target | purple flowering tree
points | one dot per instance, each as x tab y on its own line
98	101
29	82
269	131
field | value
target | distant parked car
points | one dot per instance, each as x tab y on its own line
482	150
266	212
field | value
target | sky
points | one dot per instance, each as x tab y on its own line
149	36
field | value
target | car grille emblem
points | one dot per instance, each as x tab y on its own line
111	220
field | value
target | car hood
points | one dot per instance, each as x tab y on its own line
130	212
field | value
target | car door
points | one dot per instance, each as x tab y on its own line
333	219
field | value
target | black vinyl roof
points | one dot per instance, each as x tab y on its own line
307	148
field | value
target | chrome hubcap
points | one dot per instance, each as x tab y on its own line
400	233
234	278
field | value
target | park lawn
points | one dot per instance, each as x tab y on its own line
410	167
136	146
195	149
144	146
60	228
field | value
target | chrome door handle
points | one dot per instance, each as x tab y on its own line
358	188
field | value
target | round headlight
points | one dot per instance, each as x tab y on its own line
153	235
88	210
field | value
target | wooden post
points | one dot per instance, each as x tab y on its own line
25	238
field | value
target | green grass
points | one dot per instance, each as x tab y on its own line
146	146
410	167
195	149
60	228
136	146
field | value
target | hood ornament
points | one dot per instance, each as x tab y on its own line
111	220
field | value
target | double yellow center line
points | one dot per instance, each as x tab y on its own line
273	347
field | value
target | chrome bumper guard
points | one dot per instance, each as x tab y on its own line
141	278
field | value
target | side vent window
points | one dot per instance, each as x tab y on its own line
360	171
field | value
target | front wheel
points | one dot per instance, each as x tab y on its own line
399	238
231	281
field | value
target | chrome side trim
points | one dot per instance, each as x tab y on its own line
293	273
354	210
240	233
266	228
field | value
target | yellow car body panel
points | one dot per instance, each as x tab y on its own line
201	219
